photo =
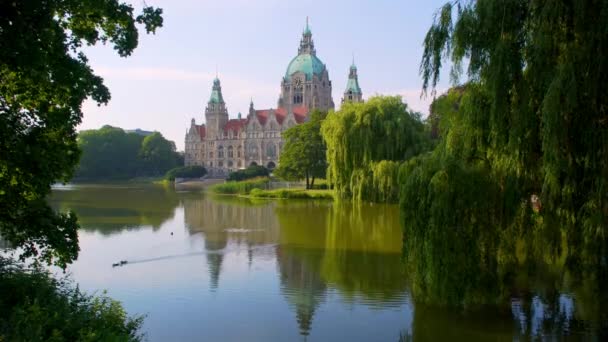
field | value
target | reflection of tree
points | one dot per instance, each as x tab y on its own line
363	251
300	258
354	248
535	287
112	208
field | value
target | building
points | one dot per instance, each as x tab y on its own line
223	145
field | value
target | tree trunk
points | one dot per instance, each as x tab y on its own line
312	182
307	186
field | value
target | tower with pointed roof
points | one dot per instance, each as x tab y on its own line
353	91
216	114
306	82
223	145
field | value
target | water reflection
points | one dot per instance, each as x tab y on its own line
111	209
339	269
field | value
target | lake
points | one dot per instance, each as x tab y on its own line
220	268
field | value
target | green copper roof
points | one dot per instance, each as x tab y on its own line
307	64
353	85
216	92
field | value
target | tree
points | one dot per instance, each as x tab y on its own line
366	142
532	121
303	156
157	154
44	79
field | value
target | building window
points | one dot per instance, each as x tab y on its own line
220	152
220	164
230	152
230	163
271	150
210	154
238	152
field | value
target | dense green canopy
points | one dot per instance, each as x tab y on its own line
365	144
44	79
303	156
523	149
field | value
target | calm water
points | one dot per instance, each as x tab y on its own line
226	269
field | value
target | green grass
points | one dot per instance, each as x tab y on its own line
240	188
292	194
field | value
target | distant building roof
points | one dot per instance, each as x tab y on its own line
139	132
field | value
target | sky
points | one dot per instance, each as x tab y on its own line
167	81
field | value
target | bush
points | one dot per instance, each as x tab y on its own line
292	194
186	172
35	306
240	188
252	171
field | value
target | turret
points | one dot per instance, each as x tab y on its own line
216	114
353	91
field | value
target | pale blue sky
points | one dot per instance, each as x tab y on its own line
167	81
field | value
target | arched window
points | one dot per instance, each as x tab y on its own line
271	165
230	152
220	152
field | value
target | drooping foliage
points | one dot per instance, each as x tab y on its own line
524	141
44	79
303	155
365	143
110	153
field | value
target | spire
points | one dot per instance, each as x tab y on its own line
216	92
353	66
306	44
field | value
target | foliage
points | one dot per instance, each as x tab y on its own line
111	153
34	306
292	194
366	141
44	79
304	156
157	155
531	120
186	172
242	187
252	171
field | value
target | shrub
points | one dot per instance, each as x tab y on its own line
241	188
252	171
35	306
186	172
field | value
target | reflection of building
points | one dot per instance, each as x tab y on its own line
222	145
301	283
230	224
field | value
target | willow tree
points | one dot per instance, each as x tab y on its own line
365	144
533	121
44	79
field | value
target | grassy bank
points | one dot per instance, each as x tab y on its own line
292	194
240	188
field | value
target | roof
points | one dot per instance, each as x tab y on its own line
306	63
235	125
299	114
201	131
353	85
216	92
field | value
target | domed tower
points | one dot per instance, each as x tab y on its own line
306	82
216	114
353	91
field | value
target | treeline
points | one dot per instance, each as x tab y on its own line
110	153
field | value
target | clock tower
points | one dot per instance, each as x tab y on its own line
306	82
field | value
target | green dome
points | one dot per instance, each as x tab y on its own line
307	64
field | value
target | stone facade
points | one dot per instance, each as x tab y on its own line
223	145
